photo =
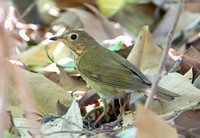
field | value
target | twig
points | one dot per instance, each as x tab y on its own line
164	56
28	10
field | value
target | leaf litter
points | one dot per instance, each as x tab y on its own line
51	86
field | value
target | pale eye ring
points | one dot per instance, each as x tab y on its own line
74	36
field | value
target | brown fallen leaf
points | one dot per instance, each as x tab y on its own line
149	125
61	109
188	123
192	6
125	51
88	98
190	59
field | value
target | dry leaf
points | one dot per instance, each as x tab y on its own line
145	53
112	29
91	24
37	55
189	95
128	119
67	19
190	59
192	6
26	126
162	30
63	79
89	98
149	125
71	121
10	125
44	92
189	75
134	16
61	109
188	123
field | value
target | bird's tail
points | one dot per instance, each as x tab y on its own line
165	95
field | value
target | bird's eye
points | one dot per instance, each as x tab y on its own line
74	36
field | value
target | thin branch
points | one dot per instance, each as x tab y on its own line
164	56
28	10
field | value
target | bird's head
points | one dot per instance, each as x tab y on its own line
77	40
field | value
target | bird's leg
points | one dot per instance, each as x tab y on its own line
127	98
106	109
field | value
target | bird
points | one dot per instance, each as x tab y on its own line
109	74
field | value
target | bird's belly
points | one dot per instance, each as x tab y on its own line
105	91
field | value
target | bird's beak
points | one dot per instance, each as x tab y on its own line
55	38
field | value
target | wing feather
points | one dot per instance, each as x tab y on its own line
112	69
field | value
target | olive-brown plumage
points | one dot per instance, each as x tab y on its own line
109	74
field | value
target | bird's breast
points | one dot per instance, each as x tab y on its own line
103	90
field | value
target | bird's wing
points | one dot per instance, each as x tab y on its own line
113	70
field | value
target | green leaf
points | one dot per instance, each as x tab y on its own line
69	64
31	43
34	68
115	47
